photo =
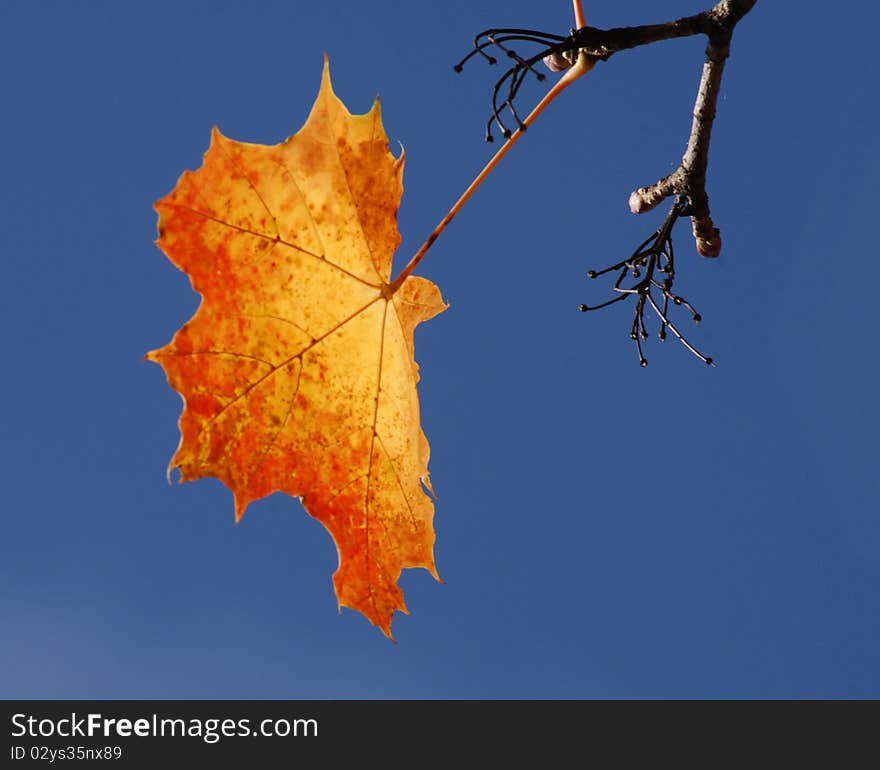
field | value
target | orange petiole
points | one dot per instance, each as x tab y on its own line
583	65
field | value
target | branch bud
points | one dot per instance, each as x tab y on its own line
707	237
641	201
557	62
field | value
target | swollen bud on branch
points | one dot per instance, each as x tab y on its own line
557	62
707	237
644	199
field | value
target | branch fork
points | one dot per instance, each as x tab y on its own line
559	53
574	55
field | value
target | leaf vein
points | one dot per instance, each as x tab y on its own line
266	237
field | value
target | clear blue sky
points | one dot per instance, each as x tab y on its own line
603	530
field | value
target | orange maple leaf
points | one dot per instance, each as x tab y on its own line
297	371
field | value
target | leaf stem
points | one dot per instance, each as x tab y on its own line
583	65
579	22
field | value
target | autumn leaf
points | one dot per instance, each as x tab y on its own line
297	371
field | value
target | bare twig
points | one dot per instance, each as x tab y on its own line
558	53
689	179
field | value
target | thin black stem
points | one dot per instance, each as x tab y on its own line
515	75
655	255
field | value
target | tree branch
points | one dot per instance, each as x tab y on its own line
717	23
560	53
689	179
577	53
